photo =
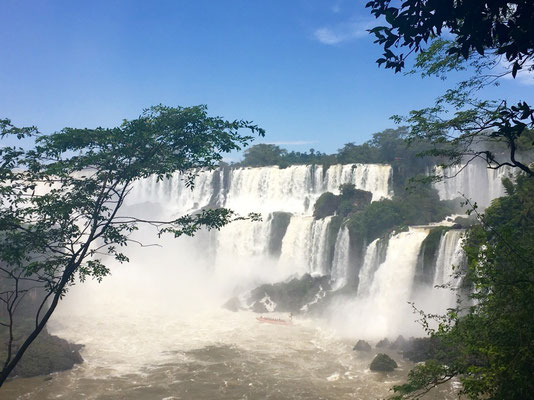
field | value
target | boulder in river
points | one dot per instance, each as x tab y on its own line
383	343
294	296
362	345
399	344
383	363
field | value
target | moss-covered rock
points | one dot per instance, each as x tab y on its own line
326	205
383	363
362	345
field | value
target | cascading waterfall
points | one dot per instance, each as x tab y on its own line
476	182
241	249
450	256
370	264
263	190
341	262
305	244
179	288
381	308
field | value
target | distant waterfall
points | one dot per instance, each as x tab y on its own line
341	262
267	189
476	182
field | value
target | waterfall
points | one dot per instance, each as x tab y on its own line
305	245
173	193
370	264
450	255
380	308
392	281
290	242
341	262
374	178
476	182
263	190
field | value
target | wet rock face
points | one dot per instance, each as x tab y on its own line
362	345
383	363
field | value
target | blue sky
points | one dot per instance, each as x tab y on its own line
303	69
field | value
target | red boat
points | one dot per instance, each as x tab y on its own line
275	321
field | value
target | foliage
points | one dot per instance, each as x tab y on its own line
60	200
261	155
415	207
493	336
481	34
498	26
491	40
386	147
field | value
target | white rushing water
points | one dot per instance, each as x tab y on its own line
450	257
341	262
381	307
293	189
370	264
304	244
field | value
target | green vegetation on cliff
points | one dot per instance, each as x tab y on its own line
416	207
491	335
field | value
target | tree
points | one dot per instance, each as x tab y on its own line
263	154
489	343
60	202
493	39
489	339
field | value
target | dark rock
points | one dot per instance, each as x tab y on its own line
234	304
294	296
259	307
362	345
326	205
383	343
383	362
399	344
47	354
279	223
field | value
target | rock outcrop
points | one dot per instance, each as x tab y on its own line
383	363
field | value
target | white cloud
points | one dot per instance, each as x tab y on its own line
524	76
342	32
